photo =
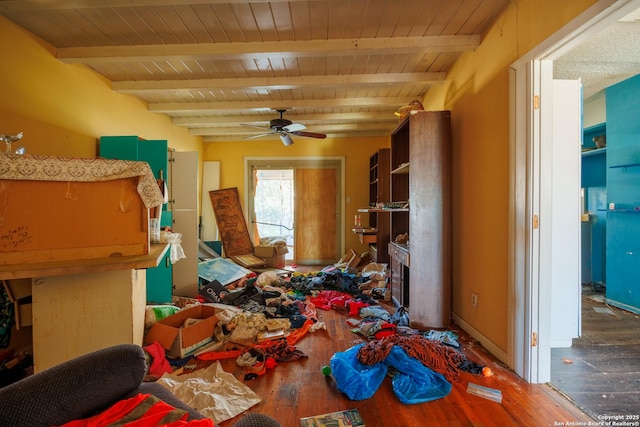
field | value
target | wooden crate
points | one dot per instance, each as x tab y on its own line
42	221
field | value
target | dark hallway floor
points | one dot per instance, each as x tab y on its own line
601	372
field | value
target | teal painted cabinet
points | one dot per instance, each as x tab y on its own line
156	153
623	194
594	183
160	279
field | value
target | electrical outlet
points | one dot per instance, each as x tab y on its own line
474	300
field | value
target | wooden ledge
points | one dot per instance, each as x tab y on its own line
62	268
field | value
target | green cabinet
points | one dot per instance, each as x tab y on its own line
160	279
156	154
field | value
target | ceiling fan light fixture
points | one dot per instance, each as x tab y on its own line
286	139
283	127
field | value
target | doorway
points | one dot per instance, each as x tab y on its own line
530	326
298	200
273	207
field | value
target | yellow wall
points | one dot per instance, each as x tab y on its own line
477	93
63	109
356	152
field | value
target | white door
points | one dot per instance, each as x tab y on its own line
559	145
551	315
184	194
566	283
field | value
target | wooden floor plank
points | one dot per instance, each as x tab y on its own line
298	389
601	371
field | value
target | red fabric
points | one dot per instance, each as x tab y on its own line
152	417
159	363
219	355
271	363
386	330
355	306
326	300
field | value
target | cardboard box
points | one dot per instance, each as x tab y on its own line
275	261
179	341
272	255
270	251
350	260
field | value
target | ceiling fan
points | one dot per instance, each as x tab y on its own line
284	128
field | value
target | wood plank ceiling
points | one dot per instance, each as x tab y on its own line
221	69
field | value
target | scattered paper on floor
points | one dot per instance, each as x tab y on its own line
603	310
212	392
597	298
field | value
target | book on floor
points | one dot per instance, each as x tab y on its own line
271	335
346	418
249	260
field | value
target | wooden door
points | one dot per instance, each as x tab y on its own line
315	216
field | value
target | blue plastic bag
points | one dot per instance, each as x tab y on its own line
355	379
415	383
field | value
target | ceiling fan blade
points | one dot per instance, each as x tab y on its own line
260	135
310	134
294	127
264	128
286	139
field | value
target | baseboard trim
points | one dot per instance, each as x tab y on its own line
484	341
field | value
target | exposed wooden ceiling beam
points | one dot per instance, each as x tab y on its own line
203	107
276	49
274	82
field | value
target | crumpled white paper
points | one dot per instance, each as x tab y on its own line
213	392
176	252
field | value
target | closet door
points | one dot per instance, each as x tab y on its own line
184	194
316	216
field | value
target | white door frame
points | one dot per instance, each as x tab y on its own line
529	327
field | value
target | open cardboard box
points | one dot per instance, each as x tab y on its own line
350	259
179	341
273	255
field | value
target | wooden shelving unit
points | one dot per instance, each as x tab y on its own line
377	234
424	285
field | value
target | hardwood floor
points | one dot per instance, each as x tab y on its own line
298	388
601	371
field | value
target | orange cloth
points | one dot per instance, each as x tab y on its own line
142	410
